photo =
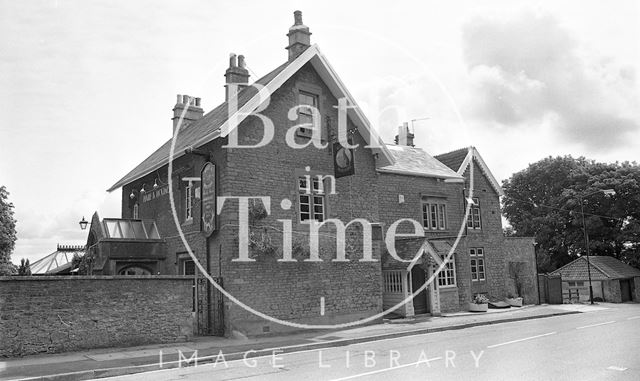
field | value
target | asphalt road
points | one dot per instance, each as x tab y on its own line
599	345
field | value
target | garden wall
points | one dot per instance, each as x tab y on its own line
52	314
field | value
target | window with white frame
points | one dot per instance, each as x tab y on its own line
473	220
188	202
477	264
311	198
447	277
434	215
305	114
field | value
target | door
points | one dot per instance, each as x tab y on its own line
625	290
417	280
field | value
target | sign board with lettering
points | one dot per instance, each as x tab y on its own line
155	193
342	161
208	199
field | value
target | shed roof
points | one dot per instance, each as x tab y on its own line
602	268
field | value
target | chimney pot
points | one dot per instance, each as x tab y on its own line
299	37
191	113
236	74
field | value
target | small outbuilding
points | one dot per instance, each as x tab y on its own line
611	279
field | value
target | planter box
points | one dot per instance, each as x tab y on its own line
515	302
478	307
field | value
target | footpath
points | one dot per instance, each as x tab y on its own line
109	362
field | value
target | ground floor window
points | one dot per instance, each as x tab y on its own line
447	277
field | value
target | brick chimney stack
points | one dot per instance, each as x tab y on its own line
404	137
236	73
299	37
193	113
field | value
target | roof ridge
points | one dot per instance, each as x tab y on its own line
454	151
595	264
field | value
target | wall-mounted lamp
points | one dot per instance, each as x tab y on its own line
132	195
83	223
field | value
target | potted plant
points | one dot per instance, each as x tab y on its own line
480	303
514	301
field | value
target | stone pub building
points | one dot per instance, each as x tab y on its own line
380	183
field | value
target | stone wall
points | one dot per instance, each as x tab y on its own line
519	254
292	290
51	314
612	293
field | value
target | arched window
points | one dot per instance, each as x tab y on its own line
134	270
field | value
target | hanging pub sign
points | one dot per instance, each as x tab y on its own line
208	199
342	160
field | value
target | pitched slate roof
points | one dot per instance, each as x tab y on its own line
602	268
460	159
453	159
416	162
217	123
193	134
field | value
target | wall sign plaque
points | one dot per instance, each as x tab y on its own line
208	199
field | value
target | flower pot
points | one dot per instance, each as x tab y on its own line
514	302
473	307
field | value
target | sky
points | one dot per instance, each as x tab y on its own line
88	87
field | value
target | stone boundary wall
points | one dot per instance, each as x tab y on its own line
50	314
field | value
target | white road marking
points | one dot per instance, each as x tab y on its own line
633	318
618	368
595	325
322	306
386	369
519	340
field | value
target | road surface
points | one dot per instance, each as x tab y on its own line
599	345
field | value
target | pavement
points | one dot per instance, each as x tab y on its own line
100	363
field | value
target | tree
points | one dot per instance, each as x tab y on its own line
7	233
543	201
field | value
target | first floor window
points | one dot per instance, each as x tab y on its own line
188	202
434	215
477	263
473	220
447	277
312	198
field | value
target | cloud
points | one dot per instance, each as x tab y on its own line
529	69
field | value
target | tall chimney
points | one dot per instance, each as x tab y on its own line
193	110
237	73
299	37
404	137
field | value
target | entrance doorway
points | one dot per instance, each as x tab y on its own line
625	290
418	277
